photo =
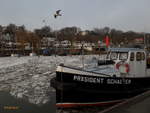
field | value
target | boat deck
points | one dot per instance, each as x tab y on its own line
108	69
138	104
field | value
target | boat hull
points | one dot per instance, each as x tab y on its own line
73	90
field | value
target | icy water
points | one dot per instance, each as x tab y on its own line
9	104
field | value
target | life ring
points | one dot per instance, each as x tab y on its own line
127	68
118	65
126	65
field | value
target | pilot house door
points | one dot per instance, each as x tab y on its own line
137	64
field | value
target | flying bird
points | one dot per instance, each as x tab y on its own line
57	13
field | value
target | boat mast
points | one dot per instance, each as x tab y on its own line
82	53
145	44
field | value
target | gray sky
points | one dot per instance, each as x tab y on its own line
86	14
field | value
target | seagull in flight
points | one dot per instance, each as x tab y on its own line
57	13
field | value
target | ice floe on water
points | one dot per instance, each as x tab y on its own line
29	77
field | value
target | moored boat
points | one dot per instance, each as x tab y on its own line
123	74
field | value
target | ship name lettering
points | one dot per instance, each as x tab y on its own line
88	79
118	81
113	81
100	80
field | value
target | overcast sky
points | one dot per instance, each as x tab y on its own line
86	14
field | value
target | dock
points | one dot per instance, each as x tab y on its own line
137	104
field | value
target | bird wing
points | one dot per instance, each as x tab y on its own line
58	11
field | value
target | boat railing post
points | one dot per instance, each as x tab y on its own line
82	49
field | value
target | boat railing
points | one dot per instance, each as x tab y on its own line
81	69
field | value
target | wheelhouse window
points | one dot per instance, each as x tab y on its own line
143	56
132	57
114	56
108	55
138	56
123	56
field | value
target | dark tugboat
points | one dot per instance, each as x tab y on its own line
123	74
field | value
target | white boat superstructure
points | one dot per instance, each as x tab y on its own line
120	62
130	62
